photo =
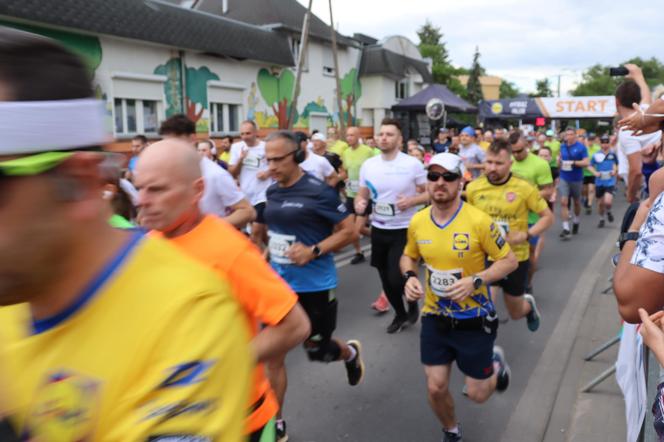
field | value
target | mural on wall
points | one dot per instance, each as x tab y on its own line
252	102
351	91
196	102
277	92
312	106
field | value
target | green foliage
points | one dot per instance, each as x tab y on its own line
543	88
172	88
432	46
351	86
312	106
474	87
508	89
277	91
197	84
596	79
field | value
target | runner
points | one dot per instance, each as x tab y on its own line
588	176
394	182
508	199
472	154
573	158
315	164
101	334
169	189
248	166
459	320
353	158
537	172
301	252
442	142
604	166
335	143
222	197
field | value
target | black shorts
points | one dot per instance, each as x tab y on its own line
321	308
472	349
515	283
588	179
260	213
555	173
387	247
350	206
601	190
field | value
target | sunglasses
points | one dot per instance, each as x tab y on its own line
447	176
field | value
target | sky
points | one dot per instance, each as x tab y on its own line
520	41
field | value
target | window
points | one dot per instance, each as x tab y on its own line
401	89
328	62
224	117
135	116
296	47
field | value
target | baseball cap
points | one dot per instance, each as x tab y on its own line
448	161
604	138
318	137
443	130
468	131
549	133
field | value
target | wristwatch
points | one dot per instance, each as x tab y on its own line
409	274
477	282
316	251
627	236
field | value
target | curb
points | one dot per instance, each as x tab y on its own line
531	416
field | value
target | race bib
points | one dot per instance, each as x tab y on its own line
384	209
504	227
605	176
566	166
279	245
599	157
353	186
251	162
442	280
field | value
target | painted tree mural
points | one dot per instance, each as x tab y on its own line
172	86
351	91
277	92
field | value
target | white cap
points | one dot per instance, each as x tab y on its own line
448	161
318	137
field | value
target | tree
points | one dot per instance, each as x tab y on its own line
543	88
476	71
597	81
277	91
351	90
508	89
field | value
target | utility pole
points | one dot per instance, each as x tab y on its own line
342	123
304	43
559	75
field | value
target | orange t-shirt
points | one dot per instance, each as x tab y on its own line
265	297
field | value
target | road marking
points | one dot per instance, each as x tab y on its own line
343	259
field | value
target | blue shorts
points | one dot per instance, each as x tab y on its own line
472	349
533	239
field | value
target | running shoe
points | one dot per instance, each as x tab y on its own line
397	325
355	367
358	258
503	370
610	216
280	425
575	228
600	224
589	210
381	305
565	234
413	312
533	317
448	436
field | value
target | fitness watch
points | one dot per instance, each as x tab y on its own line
477	282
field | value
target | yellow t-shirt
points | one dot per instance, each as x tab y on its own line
225	156
156	346
508	204
454	251
338	147
484	145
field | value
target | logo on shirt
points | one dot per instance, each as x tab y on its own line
290	204
424	241
461	241
188	373
341	208
510	197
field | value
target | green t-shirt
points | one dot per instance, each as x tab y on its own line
120	222
554	145
537	172
352	160
338	147
592	150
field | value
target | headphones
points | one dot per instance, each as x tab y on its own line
299	155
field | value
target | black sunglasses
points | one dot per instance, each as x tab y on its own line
447	176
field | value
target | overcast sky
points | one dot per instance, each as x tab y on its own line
519	40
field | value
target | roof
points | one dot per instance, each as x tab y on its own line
278	14
377	60
418	101
157	22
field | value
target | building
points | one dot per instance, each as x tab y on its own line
223	62
490	85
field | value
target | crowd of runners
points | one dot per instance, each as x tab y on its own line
135	330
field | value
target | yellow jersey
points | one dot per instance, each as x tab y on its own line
508	204
338	147
155	348
451	252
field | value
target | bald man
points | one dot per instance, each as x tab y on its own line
170	187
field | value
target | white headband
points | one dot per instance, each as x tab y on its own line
42	126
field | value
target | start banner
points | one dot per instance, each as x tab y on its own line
577	107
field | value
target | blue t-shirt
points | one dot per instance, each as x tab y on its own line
575	152
132	163
603	163
306	213
439	147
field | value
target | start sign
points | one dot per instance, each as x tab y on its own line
577	107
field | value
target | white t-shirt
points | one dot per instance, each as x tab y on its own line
387	180
649	251
252	164
220	192
629	144
472	154
317	166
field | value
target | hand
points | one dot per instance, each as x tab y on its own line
638	122
651	330
640	216
597	174
360	205
300	254
403	203
461	289
263	175
633	71
516	237
413	289
244	153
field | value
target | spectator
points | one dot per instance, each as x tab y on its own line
442	143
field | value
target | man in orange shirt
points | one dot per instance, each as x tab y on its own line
169	183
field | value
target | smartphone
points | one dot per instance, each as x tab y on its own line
619	71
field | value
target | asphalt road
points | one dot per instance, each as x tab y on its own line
390	404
